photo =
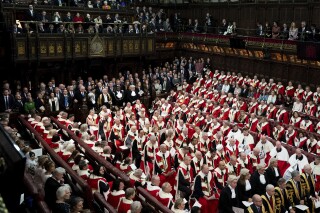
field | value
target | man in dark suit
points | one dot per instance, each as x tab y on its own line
244	91
30	14
228	196
6	101
166	85
80	96
52	184
19	104
257	206
304	32
273	172
258	180
65	101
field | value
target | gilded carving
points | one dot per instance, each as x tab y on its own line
51	48
59	48
77	48
96	46
21	49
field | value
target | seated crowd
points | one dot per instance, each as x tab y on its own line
216	140
149	21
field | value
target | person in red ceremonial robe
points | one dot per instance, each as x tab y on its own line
244	161
253	106
83	171
278	133
243	119
150	150
253	122
125	202
280	88
215	126
234	114
184	179
255	158
315	166
310	108
117	133
210	158
307	95
224	112
271	111
197	162
263	127
132	122
207	123
98	183
231	148
182	140
93	123
290	90
262	108
205	191
220	175
312	144
295	120
165	196
300	141
242	105
233	166
116	193
290	135
299	92
282	115
225	129
205	143
164	165
216	111
306	124
137	178
153	186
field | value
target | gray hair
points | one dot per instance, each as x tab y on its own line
178	203
295	173
61	191
129	192
135	207
137	172
164	186
59	170
269	187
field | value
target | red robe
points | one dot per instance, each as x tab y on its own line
124	205
206	187
282	116
290	91
163	165
114	198
290	137
264	128
253	123
220	178
153	190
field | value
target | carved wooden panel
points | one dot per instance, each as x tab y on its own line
43	49
21	49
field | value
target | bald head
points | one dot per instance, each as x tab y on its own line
257	200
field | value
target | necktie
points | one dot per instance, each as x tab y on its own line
7	103
270	201
53	103
66	104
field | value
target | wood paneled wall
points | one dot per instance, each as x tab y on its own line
246	15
